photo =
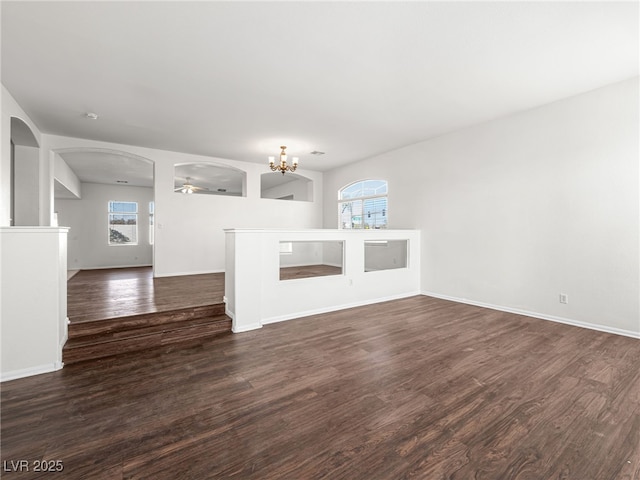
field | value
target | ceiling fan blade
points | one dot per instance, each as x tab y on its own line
189	186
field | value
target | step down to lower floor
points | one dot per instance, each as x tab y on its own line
124	335
79	328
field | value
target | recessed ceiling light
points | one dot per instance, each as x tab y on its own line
316	152
91	115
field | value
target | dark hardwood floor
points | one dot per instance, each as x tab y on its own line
116	311
417	388
308	271
119	292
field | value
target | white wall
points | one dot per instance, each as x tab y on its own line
255	295
301	189
9	109
515	211
33	300
385	255
66	177
189	235
303	253
27	186
313	253
87	219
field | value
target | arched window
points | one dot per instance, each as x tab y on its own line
363	204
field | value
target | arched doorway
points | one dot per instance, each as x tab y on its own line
116	194
24	200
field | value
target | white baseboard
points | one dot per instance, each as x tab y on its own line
115	266
541	316
304	264
71	274
307	313
172	274
246	328
331	264
333	308
179	274
64	339
28	372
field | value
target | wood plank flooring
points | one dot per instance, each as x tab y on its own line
115	311
119	292
418	388
308	271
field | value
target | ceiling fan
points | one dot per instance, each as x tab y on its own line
188	187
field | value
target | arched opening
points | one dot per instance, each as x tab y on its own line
286	187
209	179
106	198
24	200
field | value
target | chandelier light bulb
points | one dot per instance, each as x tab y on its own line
283	167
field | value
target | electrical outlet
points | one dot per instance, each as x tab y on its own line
564	298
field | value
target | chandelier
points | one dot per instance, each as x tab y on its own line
282	166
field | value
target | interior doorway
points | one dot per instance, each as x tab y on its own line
109	206
24	202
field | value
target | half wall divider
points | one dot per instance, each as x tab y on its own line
276	275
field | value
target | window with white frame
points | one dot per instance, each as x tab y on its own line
363	204
123	223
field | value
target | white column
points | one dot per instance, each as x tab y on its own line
243	279
33	300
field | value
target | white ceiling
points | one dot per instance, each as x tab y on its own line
353	79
